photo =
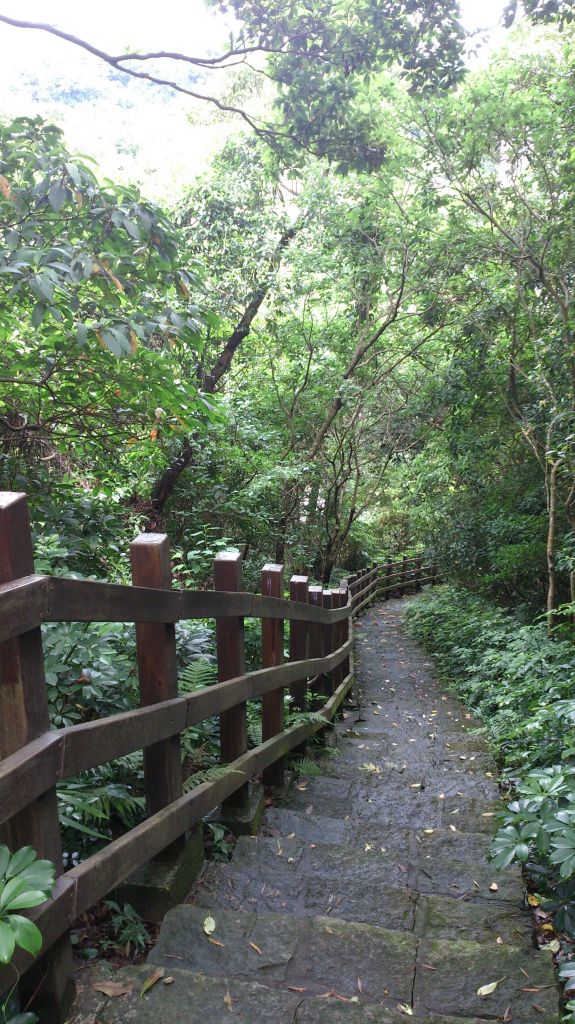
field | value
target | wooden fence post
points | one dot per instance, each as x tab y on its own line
351	582
403	577
328	638
157	670
298	639
418	564
388	575
272	585
23	718
316	645
346	628
339	599
373	580
231	663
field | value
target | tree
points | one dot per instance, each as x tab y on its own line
95	301
320	57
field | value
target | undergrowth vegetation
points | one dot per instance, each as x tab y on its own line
519	682
512	675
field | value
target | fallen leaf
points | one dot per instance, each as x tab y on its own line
294	988
216	942
493	887
554	946
112	988
228	1000
169	981
404	1008
486	990
152	980
257	948
209	925
532	900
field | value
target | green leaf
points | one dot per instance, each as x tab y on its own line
20	860
27	899
7	942
4	859
57	196
13	888
28	935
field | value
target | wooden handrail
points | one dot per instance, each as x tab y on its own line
321	649
58	754
82	886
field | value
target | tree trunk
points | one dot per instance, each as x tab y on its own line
209	380
551	536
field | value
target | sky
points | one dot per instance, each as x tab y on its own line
147	135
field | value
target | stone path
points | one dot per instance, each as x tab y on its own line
367	899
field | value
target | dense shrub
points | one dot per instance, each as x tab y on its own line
516	679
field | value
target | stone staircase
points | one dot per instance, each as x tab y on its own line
368	898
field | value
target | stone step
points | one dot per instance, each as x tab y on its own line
378	966
393	800
421	844
290	862
226	887
199	999
446	917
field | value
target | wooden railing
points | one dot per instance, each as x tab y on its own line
34	757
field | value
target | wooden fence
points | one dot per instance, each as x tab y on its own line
34	758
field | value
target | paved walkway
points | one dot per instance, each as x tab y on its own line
367	898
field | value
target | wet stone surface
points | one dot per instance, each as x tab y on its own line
368	897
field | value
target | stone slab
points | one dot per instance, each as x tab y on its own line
245	820
472	920
161	884
525	979
317	954
197	999
456	878
331	1011
309	828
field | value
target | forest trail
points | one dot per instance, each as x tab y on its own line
367	899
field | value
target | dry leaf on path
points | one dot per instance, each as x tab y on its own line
112	988
486	990
209	925
228	1000
151	981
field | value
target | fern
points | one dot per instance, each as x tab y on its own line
83	806
305	766
196	675
217	771
303	717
